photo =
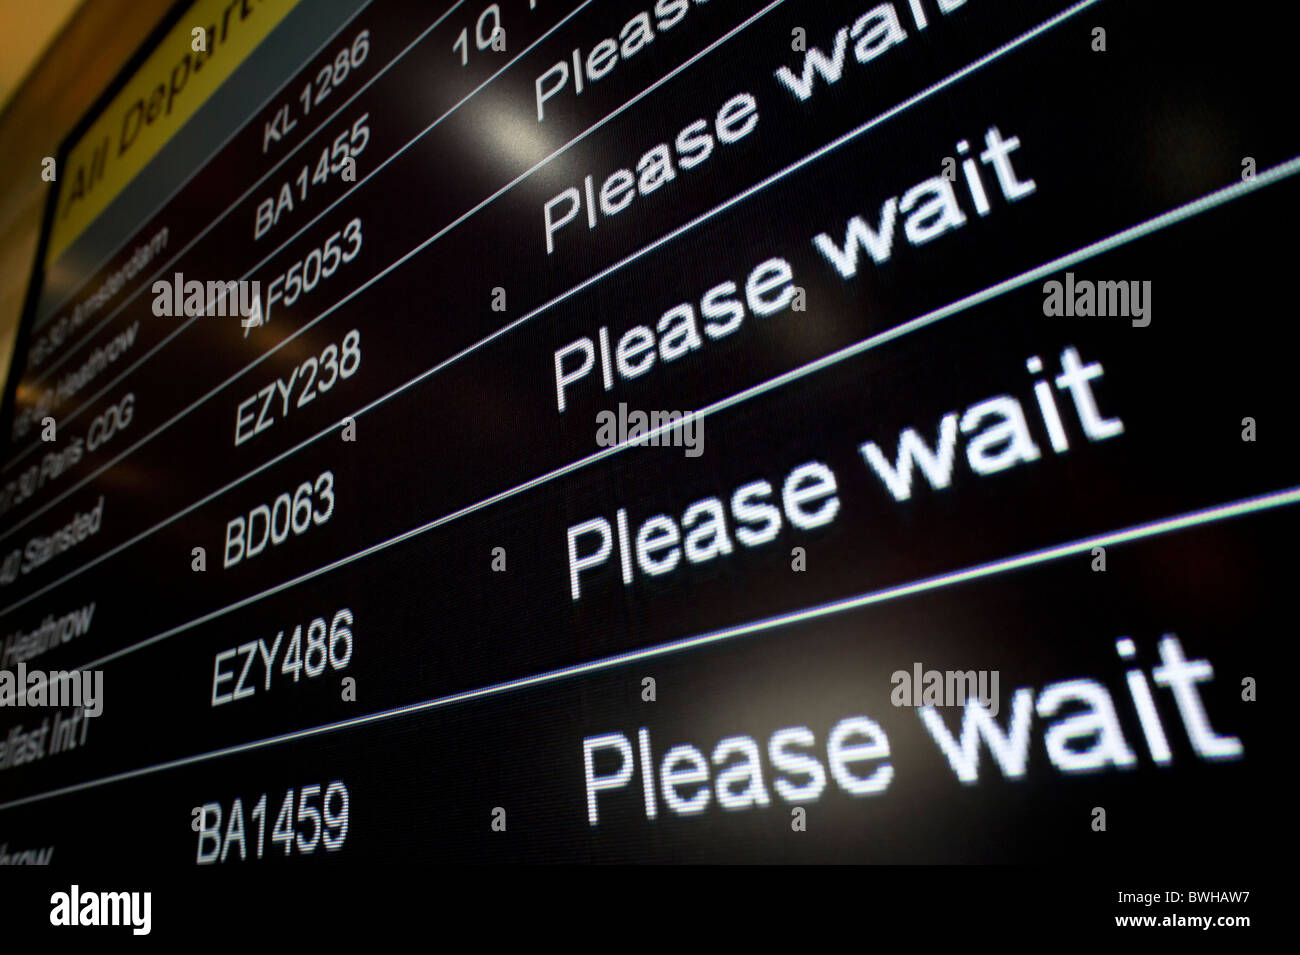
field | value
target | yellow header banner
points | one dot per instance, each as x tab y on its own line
196	56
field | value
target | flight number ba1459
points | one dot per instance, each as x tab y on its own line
304	825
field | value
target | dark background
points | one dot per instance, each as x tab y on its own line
1163	117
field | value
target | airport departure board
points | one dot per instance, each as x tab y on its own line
681	431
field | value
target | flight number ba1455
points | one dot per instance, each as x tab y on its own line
347	145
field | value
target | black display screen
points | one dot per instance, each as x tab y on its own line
659	431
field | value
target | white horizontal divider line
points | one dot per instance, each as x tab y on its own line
130	369
957	307
563	296
1246	506
202	167
383	272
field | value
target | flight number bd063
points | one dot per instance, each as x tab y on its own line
330	77
347	145
310	505
316	821
305	275
251	664
313	377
